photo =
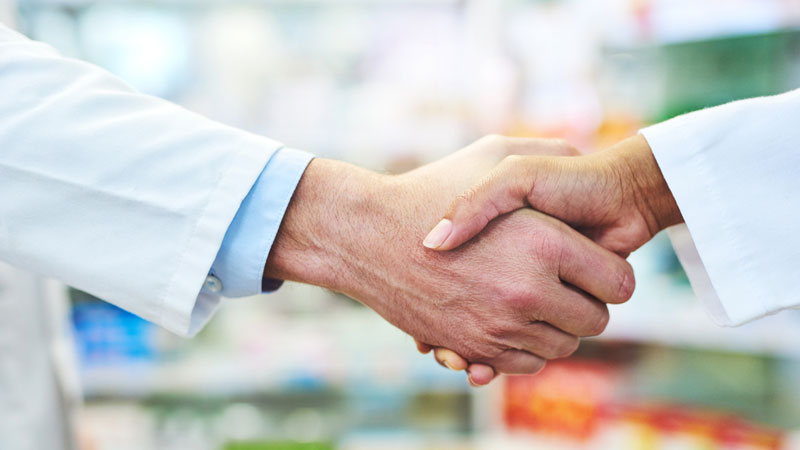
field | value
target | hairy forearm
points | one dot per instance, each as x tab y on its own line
346	229
323	224
356	232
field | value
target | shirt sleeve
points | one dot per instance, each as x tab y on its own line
733	171
239	265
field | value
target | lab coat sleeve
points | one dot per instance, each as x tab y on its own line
734	171
239	265
123	195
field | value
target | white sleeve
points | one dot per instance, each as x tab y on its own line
734	171
120	194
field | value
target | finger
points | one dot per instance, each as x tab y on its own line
480	374
599	272
449	359
545	340
516	362
572	311
422	347
541	147
503	190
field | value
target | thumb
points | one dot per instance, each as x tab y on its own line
503	190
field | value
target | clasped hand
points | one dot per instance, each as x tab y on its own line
523	264
617	198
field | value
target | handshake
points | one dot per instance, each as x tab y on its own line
498	257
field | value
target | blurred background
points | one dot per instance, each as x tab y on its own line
391	84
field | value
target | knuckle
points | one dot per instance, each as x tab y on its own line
520	297
494	140
600	323
518	362
517	166
563	146
511	161
516	173
535	366
548	244
568	347
550	346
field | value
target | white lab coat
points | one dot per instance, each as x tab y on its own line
39	390
734	171
119	194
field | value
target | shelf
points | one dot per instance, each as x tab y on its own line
391	362
322	352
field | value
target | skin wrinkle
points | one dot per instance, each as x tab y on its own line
496	321
440	271
543	334
555	312
641	202
552	348
604	207
574	179
528	363
500	331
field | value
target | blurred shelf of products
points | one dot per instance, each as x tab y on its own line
389	85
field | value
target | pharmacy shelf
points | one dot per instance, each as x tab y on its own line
212	377
676	319
339	351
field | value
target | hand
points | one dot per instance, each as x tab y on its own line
520	293
618	198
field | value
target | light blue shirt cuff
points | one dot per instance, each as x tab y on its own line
239	266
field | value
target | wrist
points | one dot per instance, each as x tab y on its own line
638	170
331	220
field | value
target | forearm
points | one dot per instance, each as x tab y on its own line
346	225
358	232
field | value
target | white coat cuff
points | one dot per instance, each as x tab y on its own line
187	306
698	275
712	252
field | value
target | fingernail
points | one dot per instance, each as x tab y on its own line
438	234
447	364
